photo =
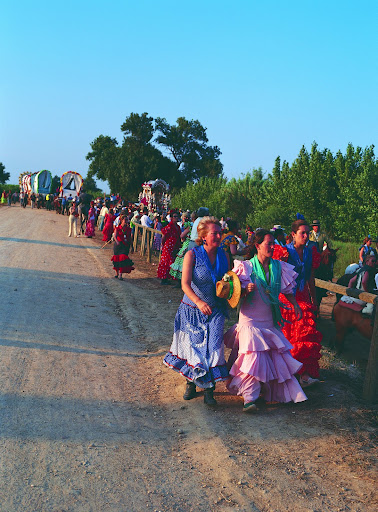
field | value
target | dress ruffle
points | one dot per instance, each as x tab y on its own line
197	349
122	263
303	335
264	354
280	253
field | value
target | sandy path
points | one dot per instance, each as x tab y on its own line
90	420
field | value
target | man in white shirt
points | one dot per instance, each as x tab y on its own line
145	219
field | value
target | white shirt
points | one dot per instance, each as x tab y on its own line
146	221
194	234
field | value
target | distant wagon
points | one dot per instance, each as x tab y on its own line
70	183
155	195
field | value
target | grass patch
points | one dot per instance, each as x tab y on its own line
347	254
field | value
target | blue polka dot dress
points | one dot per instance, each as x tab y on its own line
197	350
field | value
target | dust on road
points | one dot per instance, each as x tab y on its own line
90	419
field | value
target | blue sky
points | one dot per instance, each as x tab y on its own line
264	77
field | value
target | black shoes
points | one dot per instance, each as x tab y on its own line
208	397
190	391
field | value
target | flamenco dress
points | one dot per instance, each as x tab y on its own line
121	262
302	334
90	227
176	267
197	350
108	227
172	233
260	361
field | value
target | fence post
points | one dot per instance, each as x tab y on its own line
135	237
150	239
143	244
370	392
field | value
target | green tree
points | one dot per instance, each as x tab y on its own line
90	186
55	184
104	161
209	192
186	142
139	127
4	176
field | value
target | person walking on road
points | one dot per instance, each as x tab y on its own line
72	220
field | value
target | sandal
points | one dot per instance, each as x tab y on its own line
121	278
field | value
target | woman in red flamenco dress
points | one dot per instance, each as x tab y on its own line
122	264
90	227
108	226
170	242
302	334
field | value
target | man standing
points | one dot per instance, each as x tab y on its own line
318	237
145	219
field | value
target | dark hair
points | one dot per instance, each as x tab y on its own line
232	225
260	234
297	224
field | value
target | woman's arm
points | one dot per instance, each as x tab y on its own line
365	282
186	280
184	234
362	253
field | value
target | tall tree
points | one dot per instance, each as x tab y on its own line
104	161
139	127
4	176
186	143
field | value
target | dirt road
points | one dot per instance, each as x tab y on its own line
90	419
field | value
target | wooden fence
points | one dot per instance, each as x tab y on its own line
370	391
147	239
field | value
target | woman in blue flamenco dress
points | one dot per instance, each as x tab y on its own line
197	350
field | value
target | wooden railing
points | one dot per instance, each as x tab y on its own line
370	391
147	239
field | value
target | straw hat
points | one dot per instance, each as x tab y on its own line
229	287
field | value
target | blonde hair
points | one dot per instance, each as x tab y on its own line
203	227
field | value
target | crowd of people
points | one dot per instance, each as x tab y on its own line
275	345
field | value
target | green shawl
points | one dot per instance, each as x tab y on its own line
269	291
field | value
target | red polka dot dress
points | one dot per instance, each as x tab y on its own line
172	237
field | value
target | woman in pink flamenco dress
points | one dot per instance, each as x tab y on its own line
260	361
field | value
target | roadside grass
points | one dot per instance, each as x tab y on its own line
347	253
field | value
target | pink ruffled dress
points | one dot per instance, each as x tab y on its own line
260	360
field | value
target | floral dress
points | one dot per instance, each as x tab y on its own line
172	234
302	334
228	239
176	267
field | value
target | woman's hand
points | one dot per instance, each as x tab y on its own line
250	288
204	307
